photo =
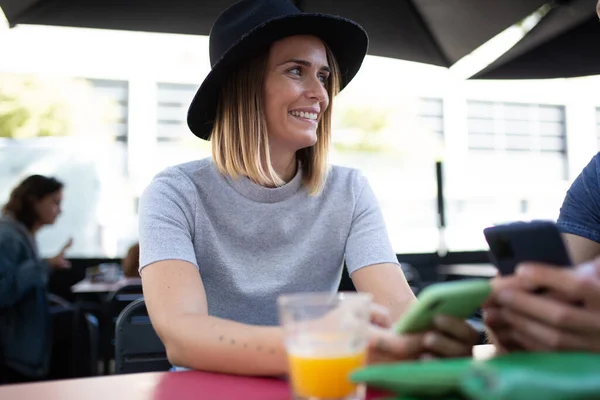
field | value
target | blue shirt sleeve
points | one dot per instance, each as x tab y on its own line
580	212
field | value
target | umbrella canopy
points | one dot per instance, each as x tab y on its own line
438	32
563	44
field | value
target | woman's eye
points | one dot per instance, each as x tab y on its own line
295	71
323	78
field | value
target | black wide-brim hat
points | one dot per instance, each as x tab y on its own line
251	26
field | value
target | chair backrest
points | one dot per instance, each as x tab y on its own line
412	277
92	326
137	346
120	298
3	368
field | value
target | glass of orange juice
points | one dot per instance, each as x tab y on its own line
326	339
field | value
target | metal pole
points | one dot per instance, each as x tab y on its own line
441	211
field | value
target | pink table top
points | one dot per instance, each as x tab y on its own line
188	385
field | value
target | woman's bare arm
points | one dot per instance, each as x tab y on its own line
388	285
177	306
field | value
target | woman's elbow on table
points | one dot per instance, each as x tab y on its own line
176	302
189	340
174	343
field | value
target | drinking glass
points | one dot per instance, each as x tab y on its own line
326	337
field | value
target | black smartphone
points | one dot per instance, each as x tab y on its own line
518	242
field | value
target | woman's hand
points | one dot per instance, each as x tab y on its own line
449	338
59	261
565	317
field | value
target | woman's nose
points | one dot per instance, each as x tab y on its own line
316	90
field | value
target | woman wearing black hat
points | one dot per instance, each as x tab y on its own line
222	238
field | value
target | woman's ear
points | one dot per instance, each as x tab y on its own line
31	201
30	204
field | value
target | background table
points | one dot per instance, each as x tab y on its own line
85	286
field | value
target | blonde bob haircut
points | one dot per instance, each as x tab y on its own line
240	143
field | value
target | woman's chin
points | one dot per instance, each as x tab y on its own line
307	140
297	141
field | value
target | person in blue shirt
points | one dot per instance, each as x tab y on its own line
567	317
579	219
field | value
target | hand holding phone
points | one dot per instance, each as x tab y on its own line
518	242
459	299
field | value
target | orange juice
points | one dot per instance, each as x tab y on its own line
324	377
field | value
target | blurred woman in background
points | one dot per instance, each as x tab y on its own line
25	318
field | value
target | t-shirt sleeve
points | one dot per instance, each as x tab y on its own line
580	211
368	241
166	219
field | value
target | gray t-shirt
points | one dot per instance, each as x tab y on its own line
251	243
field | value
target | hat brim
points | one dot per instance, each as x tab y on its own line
347	40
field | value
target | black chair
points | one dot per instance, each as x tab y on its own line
121	298
412	277
72	356
137	346
86	343
63	355
114	305
3	368
93	330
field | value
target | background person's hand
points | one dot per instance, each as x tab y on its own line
565	317
498	330
59	261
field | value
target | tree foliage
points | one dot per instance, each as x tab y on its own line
35	106
366	124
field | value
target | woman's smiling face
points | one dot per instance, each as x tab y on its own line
294	92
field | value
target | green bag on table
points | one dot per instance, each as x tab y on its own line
515	376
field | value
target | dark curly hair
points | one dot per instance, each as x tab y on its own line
23	198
